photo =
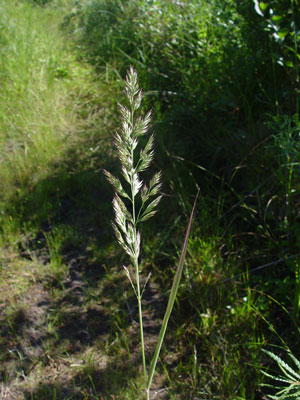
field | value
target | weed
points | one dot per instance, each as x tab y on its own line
126	228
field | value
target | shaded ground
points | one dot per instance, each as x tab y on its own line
69	326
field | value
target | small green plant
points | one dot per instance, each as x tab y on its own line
143	201
288	384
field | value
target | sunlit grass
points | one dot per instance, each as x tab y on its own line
68	327
33	115
47	98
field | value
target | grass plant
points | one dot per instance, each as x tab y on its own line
223	82
287	385
31	91
134	161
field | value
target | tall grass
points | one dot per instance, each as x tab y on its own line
223	81
135	161
48	108
133	164
37	124
32	123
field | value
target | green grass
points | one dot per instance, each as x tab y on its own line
225	116
34	117
49	105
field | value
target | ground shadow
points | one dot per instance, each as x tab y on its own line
90	308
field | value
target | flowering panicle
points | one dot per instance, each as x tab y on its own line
134	160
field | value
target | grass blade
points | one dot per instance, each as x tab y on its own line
172	298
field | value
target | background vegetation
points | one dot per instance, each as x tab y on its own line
223	83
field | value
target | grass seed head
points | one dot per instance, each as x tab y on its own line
134	160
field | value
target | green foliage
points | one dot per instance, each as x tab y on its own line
188	57
41	2
281	23
29	94
223	81
198	62
288	384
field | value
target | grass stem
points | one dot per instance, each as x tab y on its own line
139	298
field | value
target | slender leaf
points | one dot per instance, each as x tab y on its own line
172	298
283	32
